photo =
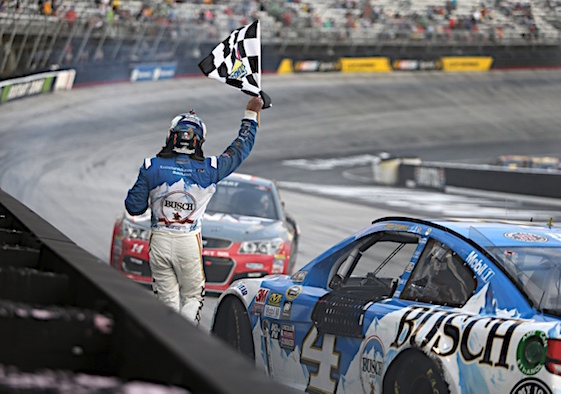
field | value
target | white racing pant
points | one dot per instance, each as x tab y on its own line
177	270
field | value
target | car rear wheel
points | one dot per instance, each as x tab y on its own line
232	325
414	372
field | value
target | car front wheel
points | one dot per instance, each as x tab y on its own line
232	325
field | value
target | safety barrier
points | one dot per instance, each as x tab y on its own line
414	173
40	83
63	310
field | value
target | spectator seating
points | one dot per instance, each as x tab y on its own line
463	21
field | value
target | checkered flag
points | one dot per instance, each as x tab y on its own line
236	61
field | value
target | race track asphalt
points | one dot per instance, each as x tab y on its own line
71	156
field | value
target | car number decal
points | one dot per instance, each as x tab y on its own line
324	358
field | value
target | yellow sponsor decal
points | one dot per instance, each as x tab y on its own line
365	64
292	292
275	299
467	63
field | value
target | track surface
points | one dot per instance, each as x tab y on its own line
72	156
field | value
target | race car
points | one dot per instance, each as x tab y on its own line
409	305
246	233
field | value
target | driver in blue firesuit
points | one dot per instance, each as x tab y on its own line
177	185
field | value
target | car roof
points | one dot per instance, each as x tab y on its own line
236	176
504	233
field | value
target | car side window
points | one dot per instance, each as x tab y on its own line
440	277
376	260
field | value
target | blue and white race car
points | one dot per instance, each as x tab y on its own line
410	306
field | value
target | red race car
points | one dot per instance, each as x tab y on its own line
246	234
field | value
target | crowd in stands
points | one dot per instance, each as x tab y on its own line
479	21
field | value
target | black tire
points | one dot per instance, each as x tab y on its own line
232	325
414	372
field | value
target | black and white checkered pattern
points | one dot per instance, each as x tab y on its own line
236	61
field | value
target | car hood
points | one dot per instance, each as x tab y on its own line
241	228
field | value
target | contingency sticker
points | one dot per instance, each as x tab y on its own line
526	237
292	292
287	336
260	300
530	385
286	309
299	276
531	351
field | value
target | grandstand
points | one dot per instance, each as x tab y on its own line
72	33
88	33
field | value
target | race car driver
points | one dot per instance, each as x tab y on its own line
177	185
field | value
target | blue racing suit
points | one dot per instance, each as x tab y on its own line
178	190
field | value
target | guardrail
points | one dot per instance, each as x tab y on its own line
62	309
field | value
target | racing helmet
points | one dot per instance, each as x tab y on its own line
187	133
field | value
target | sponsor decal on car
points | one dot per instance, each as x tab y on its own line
292	292
274	299
531	352
526	237
272	311
480	268
286	309
446	333
241	287
261	296
274	331
372	360
530	386
299	276
287	336
397	226
260	300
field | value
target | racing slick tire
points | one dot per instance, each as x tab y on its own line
413	372
232	325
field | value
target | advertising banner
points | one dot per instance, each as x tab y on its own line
153	72
24	87
416	65
316	66
467	63
12	89
365	64
64	80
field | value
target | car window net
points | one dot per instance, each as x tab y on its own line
440	277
